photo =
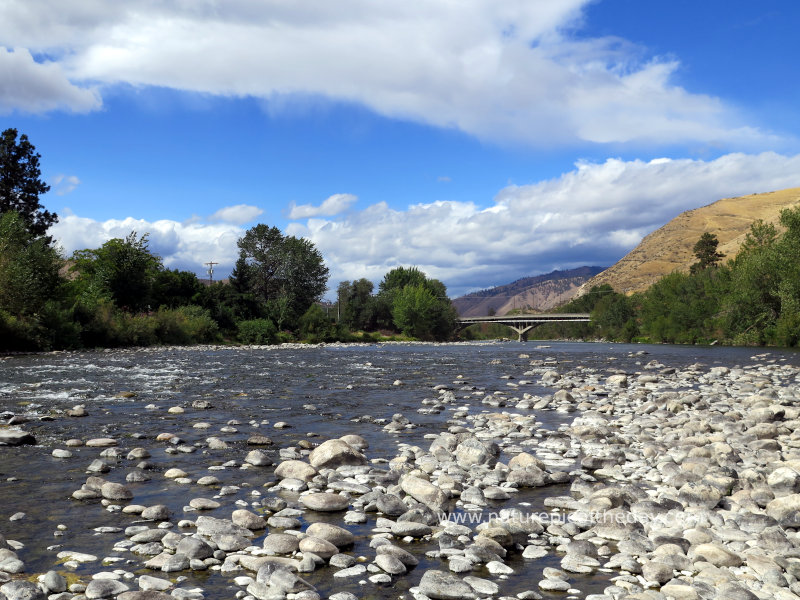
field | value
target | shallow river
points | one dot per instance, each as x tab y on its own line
320	392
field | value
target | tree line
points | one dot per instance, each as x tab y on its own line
121	294
751	299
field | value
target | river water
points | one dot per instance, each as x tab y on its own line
320	392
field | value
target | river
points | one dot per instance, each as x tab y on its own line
319	392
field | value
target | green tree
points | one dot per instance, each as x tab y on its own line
355	304
20	183
706	252
28	267
416	305
173	288
121	270
277	268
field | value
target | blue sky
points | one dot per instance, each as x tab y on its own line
482	142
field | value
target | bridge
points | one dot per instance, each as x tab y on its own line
522	324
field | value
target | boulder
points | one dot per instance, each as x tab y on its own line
335	453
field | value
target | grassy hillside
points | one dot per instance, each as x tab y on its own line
669	248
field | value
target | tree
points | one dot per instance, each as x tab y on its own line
20	183
122	270
355	303
706	252
279	270
416	305
28	267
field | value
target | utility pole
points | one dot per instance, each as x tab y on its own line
211	270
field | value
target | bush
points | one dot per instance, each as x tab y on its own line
257	331
315	326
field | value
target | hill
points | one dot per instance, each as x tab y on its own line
539	293
670	248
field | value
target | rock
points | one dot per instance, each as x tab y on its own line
16	437
116	492
482	587
425	492
390	505
405	557
410	528
390	564
781	508
658	572
22	590
295	469
335	453
145	595
54	582
204	504
530	476
355	441
322	548
441	585
472	451
104	588
158	512
338	536
717	555
209	526
257	458
325	502
248	520
280	543
355	571
194	548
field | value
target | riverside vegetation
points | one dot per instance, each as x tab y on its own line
120	294
752	299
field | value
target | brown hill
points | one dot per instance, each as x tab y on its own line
670	248
535	294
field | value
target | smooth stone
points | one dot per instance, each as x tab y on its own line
281	543
335	453
104	588
204	504
355	571
16	437
325	502
115	491
295	469
338	536
248	520
22	590
441	585
390	564
322	548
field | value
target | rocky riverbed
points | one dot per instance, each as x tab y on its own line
444	472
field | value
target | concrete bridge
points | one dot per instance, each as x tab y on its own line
522	324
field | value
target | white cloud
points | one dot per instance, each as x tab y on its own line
64	184
332	206
510	70
237	215
180	245
30	86
591	215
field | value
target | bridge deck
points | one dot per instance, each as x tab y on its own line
522	324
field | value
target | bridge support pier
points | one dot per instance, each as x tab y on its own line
522	332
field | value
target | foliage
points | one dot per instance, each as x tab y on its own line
706	252
356	306
408	301
287	272
20	183
122	270
28	267
257	331
316	326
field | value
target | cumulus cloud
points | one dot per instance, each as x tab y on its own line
64	184
238	215
31	86
180	245
333	205
511	70
592	215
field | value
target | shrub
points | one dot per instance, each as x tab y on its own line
257	331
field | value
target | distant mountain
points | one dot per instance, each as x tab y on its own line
670	248
537	294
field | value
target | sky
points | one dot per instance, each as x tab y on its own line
481	141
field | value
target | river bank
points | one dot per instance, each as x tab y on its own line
447	471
